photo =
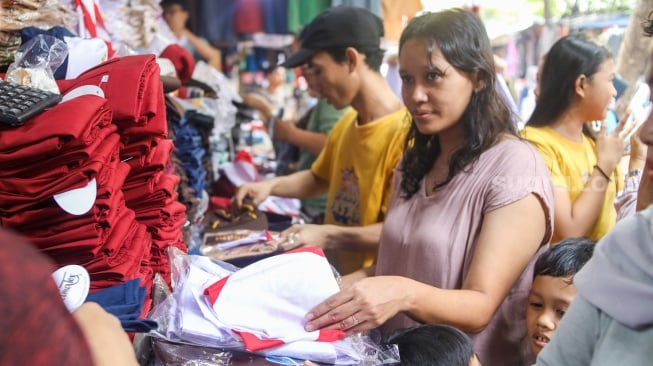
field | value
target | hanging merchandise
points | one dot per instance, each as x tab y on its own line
132	23
91	22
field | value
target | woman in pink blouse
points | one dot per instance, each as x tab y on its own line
471	206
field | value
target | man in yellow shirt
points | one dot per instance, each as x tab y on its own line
341	48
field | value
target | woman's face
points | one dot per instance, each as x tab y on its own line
436	94
176	17
599	91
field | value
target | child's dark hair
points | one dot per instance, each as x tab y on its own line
565	258
433	345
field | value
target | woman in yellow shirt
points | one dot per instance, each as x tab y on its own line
575	87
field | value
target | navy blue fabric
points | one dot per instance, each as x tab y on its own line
59	32
275	16
216	21
190	151
125	301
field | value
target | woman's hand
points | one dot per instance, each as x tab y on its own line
364	305
610	146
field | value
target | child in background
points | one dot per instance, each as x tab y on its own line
431	345
553	289
434	345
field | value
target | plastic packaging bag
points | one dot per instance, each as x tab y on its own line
36	61
179	342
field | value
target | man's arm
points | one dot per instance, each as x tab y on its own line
306	140
303	184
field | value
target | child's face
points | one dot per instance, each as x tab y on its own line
547	303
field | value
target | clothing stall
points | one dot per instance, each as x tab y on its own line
131	173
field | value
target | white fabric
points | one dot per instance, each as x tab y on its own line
83	54
341	352
192	318
276	293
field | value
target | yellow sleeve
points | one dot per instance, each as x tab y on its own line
545	147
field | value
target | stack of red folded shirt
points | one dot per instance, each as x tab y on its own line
151	193
52	154
140	115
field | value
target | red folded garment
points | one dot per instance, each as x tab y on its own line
144	183
182	60
121	229
155	126
69	158
117	78
20	193
46	135
124	266
156	158
109	201
83	239
163	190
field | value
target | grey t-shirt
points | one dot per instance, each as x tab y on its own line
432	239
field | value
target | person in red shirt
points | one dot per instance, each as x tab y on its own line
37	329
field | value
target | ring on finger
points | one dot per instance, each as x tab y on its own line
354	321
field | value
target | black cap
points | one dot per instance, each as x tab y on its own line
335	27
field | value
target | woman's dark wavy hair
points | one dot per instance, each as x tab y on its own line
432	345
463	41
570	57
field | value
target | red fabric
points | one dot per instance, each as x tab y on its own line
223	203
213	291
253	343
20	193
145	182
46	135
108	271
182	60
136	103
37	329
314	250
163	189
330	335
135	153
67	159
49	215
244	155
248	16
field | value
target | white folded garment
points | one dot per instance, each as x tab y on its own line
193	321
267	301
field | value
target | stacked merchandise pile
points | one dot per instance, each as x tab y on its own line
17	15
139	113
186	194
54	155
